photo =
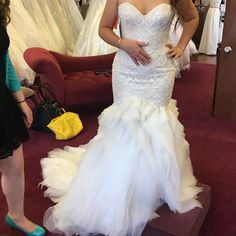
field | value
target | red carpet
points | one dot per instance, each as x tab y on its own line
212	142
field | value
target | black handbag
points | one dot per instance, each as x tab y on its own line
46	108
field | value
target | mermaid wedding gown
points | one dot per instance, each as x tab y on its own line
139	157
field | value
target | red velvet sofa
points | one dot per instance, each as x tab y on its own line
74	80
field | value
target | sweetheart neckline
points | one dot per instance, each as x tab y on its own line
149	12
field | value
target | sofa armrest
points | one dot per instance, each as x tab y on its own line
46	66
70	64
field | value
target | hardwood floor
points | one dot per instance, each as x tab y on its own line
204	59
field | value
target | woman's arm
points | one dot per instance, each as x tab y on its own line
133	47
12	82
190	16
28	116
15	88
107	23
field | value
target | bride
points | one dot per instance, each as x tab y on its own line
139	158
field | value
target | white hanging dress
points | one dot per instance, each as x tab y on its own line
89	42
74	17
62	21
211	31
33	8
23	34
53	28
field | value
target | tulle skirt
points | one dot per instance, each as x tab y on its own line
138	160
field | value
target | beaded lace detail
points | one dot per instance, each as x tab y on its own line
153	82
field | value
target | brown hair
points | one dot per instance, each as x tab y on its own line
175	5
4	12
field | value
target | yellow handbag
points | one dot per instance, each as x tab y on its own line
66	126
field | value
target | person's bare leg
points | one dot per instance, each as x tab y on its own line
13	186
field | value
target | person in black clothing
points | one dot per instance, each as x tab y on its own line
15	118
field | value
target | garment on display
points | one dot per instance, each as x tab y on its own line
16	50
74	17
23	35
89	43
53	25
211	31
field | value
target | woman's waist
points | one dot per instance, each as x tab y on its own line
153	51
159	60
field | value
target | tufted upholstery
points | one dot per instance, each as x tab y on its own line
74	80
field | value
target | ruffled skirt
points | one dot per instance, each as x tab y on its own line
138	160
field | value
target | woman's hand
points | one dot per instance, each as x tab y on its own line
28	116
174	52
136	51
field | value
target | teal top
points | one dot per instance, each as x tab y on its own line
12	82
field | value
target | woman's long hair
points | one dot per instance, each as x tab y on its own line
4	12
174	4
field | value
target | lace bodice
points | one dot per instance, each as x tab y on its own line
154	81
153	27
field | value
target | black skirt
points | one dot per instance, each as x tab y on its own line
13	131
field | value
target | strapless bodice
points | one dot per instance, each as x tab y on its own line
152	27
152	82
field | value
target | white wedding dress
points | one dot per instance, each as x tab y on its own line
58	22
57	35
139	157
74	17
65	13
211	30
89	43
46	24
23	34
16	50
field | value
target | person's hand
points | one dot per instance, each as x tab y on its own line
136	51
28	116
174	52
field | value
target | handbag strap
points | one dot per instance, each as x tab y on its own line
48	97
62	110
